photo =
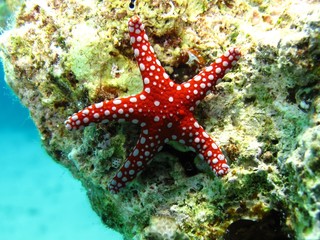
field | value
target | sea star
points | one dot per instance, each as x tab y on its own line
164	110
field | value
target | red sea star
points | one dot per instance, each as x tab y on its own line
164	110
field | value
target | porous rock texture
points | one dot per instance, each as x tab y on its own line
61	56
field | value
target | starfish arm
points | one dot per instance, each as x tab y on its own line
148	144
150	67
119	109
198	140
201	84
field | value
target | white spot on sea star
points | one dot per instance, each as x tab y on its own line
86	120
145	131
218	70
186	85
127	164
124	179
208	69
117	101
133	99
113	182
142	97
85	112
142	66
99	105
143	124
165	75
197	78
205	134
146	80
74	117
225	166
135	152
136	52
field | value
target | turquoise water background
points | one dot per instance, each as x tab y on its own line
39	199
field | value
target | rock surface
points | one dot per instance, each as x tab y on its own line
64	55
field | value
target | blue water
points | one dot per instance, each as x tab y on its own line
39	199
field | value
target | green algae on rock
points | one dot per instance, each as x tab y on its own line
64	55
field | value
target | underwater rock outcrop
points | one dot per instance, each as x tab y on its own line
64	55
